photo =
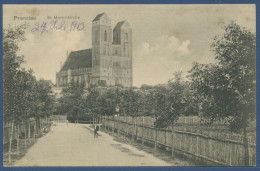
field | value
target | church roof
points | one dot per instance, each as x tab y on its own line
98	17
119	24
78	59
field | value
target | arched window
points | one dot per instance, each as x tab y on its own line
126	37
118	37
105	36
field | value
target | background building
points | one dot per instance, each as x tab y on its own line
109	62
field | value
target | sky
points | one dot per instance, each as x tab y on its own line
166	38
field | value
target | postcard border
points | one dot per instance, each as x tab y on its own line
138	2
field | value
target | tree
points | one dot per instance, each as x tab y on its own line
11	66
107	102
45	101
72	101
171	103
228	88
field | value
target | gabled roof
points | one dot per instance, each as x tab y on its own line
120	24
98	17
78	59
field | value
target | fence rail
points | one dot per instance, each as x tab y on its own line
218	148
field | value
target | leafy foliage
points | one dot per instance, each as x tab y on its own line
227	89
72	100
23	94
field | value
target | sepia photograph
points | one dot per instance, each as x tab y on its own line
97	85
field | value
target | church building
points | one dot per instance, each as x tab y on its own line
109	62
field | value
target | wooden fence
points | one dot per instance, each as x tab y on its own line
27	131
213	147
21	130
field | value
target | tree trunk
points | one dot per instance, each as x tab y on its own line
10	142
246	146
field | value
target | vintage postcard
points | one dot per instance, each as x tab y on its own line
129	85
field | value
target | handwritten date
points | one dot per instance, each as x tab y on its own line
44	27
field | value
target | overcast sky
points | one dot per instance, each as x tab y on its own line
166	38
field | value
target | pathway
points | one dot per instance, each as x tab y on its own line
75	145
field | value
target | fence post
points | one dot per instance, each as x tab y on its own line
119	126
102	122
155	141
29	131
40	127
210	152
126	130
109	123
106	123
136	130
165	136
10	142
173	139
197	142
18	139
230	155
143	130
113	125
25	134
34	130
132	131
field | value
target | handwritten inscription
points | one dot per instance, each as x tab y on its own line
44	27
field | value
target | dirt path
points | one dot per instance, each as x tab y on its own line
74	145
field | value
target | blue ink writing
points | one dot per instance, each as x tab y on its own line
62	25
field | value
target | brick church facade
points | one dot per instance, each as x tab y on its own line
108	62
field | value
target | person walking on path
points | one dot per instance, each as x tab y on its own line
45	130
96	128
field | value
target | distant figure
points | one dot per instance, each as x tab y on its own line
45	130
96	131
66	122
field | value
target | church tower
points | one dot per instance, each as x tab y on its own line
122	46
122	35
101	45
